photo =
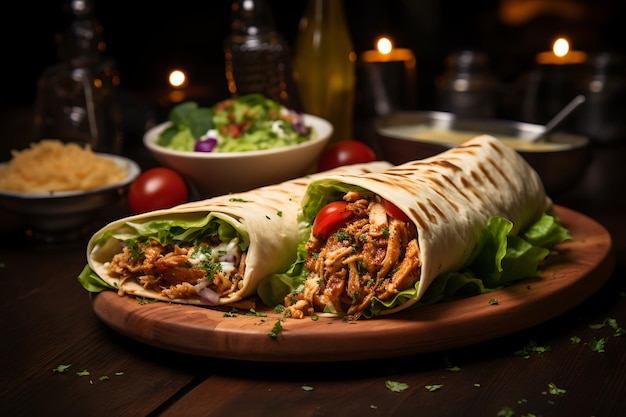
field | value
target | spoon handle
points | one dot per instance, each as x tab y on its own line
560	116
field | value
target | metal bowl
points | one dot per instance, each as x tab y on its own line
57	216
560	161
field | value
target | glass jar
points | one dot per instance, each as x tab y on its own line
258	59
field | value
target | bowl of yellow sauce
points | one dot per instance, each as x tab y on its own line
560	159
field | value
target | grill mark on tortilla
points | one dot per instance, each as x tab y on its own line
436	209
457	188
447	165
502	174
439	190
476	177
429	215
423	225
487	175
468	185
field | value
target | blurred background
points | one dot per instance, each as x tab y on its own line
147	40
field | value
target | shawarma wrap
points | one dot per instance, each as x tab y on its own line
474	216
209	252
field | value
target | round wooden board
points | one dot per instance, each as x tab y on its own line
577	269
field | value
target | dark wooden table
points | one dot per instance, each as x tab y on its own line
46	320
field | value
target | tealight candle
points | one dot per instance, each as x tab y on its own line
561	55
554	81
387	75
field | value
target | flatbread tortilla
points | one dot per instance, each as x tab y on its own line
264	229
448	200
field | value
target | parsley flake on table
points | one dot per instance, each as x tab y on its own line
61	368
84	372
530	348
597	345
609	322
433	387
506	412
554	390
306	388
396	386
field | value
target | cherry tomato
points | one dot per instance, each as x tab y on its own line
346	152
330	218
394	211
157	188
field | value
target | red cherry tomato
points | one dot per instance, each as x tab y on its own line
330	218
346	152
394	211
157	188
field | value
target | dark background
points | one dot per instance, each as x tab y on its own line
148	39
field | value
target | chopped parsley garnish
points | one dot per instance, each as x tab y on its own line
61	368
554	390
203	254
276	330
253	312
396	386
135	250
343	236
531	347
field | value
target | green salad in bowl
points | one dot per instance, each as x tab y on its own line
247	123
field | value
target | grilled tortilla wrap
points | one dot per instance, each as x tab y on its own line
395	232
211	252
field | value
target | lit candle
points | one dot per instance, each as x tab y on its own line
177	82
388	77
561	55
385	52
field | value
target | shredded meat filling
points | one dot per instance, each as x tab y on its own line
175	272
373	255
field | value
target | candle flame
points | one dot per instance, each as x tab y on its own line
560	47
177	78
384	45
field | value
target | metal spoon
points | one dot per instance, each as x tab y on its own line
559	117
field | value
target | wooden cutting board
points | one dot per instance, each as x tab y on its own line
575	271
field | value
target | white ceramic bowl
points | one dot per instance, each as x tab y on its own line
215	173
61	213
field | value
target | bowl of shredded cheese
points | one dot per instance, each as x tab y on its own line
57	187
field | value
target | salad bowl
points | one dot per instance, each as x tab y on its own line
215	173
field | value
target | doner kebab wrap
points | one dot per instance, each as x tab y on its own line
468	220
209	252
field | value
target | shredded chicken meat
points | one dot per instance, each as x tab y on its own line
204	272
373	255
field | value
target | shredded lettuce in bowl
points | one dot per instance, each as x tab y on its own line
247	123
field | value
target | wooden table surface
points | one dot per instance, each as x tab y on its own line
566	366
